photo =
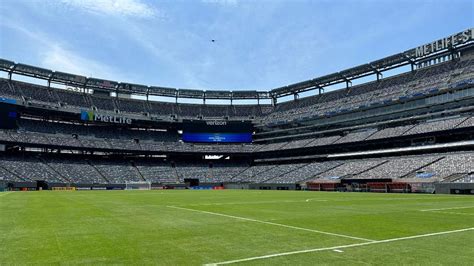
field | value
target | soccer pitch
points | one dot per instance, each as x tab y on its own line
235	226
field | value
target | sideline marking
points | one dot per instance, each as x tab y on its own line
254	202
271	223
441	209
6	193
339	247
457	213
315	199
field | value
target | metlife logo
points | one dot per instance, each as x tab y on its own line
92	116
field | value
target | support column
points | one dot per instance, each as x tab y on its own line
320	90
348	84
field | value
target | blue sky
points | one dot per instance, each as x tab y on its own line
259	44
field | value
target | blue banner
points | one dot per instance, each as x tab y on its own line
424	175
217	137
7	100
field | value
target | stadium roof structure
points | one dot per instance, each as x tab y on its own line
415	57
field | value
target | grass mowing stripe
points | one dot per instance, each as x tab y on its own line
339	247
6	193
275	224
442	209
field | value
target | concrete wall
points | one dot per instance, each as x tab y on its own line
454	188
273	186
236	186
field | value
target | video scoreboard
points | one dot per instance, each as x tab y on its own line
8	116
217	131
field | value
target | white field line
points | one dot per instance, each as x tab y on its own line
442	209
5	193
309	200
457	213
398	199
256	202
339	247
271	223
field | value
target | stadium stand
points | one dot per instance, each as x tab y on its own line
413	127
435	167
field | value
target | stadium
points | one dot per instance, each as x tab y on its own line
411	132
97	171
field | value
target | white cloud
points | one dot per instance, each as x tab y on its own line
54	55
58	58
130	8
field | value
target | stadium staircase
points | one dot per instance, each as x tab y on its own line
87	100
408	129
261	172
317	175
55	96
15	174
413	173
255	174
176	173
284	145
67	180
456	126
210	174
363	171
139	174
15	89
373	133
232	178
454	177
283	173
98	171
368	169
317	139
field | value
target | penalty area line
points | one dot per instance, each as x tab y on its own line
339	247
256	202
6	193
442	209
272	223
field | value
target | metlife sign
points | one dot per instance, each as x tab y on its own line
442	44
105	118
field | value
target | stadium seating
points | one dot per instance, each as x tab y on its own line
394	88
80	136
318	126
304	172
419	168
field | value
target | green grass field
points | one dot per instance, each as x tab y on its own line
232	226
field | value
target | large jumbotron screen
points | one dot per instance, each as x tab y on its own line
217	131
8	116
